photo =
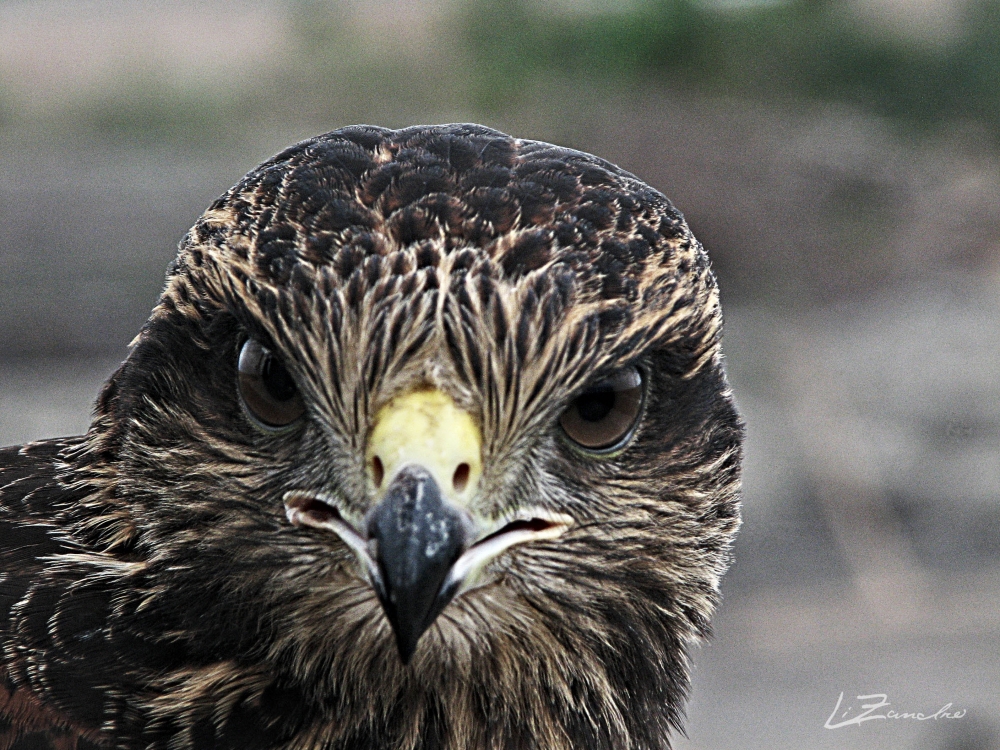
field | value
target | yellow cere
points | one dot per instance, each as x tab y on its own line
425	427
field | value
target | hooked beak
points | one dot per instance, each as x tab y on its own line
418	538
420	545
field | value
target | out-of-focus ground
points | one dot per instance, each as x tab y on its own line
858	255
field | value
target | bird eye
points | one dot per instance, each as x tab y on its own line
604	414
267	390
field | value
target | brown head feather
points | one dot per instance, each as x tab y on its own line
508	274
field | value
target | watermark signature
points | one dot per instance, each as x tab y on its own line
880	701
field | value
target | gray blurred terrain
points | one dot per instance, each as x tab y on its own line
868	558
860	270
88	233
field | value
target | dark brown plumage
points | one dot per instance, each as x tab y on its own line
182	576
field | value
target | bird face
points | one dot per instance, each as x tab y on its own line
425	539
430	432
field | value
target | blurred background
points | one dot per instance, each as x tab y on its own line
839	159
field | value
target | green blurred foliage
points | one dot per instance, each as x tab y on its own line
796	49
492	60
145	111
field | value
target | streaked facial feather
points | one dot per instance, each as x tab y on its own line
506	273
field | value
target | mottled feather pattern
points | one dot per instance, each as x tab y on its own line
161	599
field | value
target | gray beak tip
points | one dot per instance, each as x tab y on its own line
419	537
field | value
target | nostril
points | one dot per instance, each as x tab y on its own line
460	479
378	471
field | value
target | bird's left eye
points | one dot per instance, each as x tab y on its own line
267	389
603	416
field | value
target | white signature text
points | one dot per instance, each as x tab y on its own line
879	701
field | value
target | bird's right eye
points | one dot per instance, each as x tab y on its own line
267	389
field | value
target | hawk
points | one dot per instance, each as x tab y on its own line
427	444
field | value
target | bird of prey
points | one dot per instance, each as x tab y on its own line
427	444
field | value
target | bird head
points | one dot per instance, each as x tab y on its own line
430	429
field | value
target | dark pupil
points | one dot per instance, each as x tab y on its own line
277	381
595	405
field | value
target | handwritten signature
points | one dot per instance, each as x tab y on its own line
882	701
